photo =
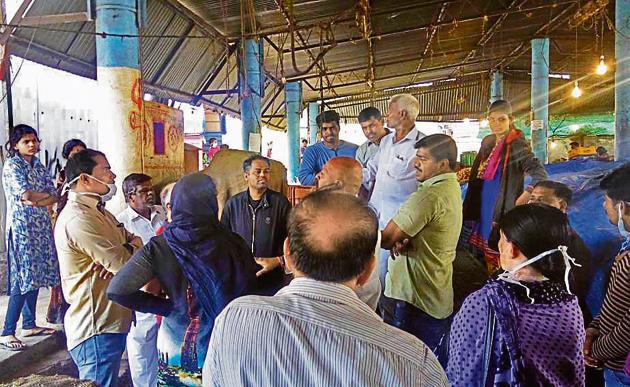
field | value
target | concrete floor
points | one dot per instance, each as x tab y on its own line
46	355
38	346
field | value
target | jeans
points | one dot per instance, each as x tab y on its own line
24	304
432	331
614	378
98	358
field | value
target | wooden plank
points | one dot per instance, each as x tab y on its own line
63	18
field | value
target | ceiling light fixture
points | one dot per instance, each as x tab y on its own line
602	68
577	92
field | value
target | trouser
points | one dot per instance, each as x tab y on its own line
20	303
615	378
383	259
98	358
142	350
57	306
432	331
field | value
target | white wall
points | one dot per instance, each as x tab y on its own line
59	105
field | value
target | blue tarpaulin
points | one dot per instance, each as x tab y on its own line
588	218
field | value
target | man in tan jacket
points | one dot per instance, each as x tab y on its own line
91	244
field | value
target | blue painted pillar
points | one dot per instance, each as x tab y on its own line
313	111
540	97
293	109
496	89
622	75
250	82
121	127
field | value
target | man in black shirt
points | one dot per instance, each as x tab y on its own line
259	215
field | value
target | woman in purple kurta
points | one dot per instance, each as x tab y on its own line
523	328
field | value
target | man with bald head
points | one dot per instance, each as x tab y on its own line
345	174
316	331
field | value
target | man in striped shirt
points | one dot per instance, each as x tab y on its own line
316	331
608	336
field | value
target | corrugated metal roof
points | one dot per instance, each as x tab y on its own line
462	39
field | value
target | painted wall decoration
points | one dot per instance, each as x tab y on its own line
163	143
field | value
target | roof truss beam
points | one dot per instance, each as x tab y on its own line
63	18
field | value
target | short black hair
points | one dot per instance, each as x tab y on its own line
327	116
305	140
350	250
69	145
616	185
536	228
131	182
441	147
560	190
368	113
16	135
601	151
572	143
212	139
247	164
82	162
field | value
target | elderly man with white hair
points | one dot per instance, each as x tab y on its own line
391	171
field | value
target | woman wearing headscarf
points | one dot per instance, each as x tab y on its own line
524	328
201	267
497	180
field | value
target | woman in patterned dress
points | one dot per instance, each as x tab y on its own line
31	255
523	328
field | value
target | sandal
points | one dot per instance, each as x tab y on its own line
12	344
38	331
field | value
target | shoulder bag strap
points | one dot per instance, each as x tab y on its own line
488	343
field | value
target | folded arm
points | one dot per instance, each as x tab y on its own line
125	287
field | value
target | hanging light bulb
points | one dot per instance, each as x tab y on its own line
601	67
466	120
484	123
577	92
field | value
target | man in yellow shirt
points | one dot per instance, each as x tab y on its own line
90	241
419	282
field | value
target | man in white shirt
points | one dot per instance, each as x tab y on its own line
392	170
143	219
316	331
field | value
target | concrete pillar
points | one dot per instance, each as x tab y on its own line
622	75
540	97
496	89
313	111
293	109
250	84
121	126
